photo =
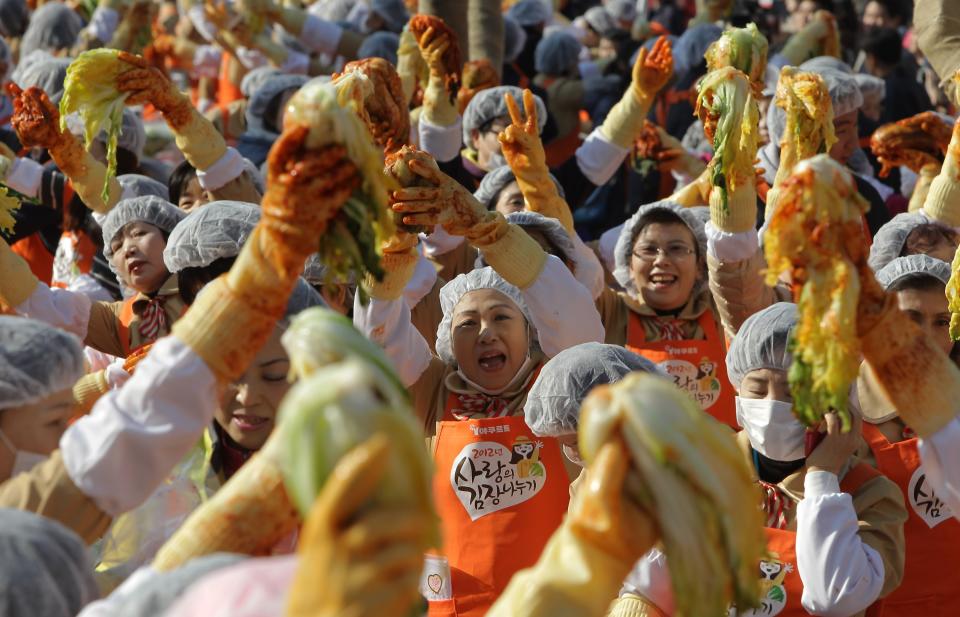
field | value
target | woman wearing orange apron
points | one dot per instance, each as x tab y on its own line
666	312
932	533
500	491
834	524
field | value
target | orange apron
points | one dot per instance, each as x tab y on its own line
227	91
126	318
37	256
930	579
75	258
697	366
500	493
780	586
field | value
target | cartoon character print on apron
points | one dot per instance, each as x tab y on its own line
697	366
931	532
781	589
500	492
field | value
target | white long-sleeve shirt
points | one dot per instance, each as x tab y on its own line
841	574
562	310
941	460
121	452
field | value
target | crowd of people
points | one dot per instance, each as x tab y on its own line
523	308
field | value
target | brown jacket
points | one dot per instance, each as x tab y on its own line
47	490
104	329
937	25
739	290
615	308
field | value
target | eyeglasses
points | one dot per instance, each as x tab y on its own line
674	252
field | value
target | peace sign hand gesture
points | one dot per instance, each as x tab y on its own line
520	142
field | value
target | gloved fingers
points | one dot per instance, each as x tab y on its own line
376	530
322	170
352	483
416	194
136	80
426	219
285	149
640	63
429	172
14	90
514	110
135	60
530	108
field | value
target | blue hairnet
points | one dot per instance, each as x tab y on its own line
36	361
761	342
691	48
255	79
53	26
557	54
622	10
47	571
599	20
694	218
380	45
553	403
531	12
514	39
14	17
149	209
271	88
392	12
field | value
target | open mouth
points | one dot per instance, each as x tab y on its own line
246	422
136	267
662	280
492	361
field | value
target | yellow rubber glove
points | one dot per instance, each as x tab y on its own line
697	193
820	37
630	605
37	123
399	262
17	282
196	136
943	199
521	146
355	559
410	64
233	317
917	377
922	188
507	248
439	107
651	73
583	565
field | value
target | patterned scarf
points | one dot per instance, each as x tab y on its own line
477	404
153	319
670	329
775	505
483	405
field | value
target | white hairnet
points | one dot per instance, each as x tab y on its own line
47	571
253	80
844	91
137	185
148	209
36	360
331	10
826	63
761	342
557	236
496	180
531	12
489	105
599	20
53	26
14	17
46	73
872	88
392	12
693	218
514	39
380	45
303	297
217	230
557	54
453	292
913	266
553	403
890	239
160	592
622	10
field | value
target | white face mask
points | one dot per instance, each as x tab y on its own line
772	429
23	461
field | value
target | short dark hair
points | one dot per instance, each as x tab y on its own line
928	234
666	217
894	8
182	175
884	44
192	280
